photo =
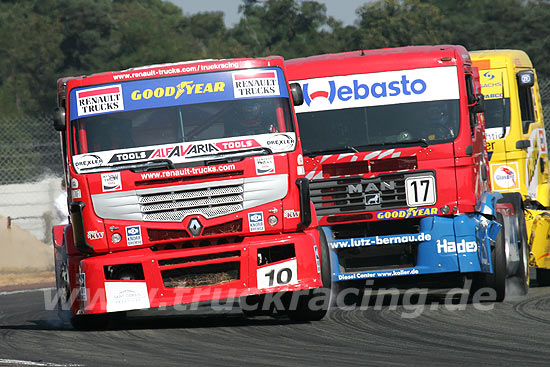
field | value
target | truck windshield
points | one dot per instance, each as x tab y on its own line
364	127
181	119
178	124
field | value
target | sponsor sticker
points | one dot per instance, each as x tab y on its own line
123	296
281	142
377	89
99	100
95	235
444	246
278	274
238	144
195	150
130	156
264	165
256	222
255	83
542	141
82	282
133	236
291	214
111	181
407	213
86	161
76	194
505	176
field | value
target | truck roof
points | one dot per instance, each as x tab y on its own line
378	60
491	59
170	69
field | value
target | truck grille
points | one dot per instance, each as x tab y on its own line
173	203
358	194
174	206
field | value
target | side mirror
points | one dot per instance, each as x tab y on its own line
526	78
479	105
297	94
59	119
523	144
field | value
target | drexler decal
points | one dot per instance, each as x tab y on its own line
407	213
87	161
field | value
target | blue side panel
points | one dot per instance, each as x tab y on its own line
456	244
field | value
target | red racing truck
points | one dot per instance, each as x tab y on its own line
394	148
185	184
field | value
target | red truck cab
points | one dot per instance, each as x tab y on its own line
394	146
185	184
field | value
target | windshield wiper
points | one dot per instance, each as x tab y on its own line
345	148
423	142
154	164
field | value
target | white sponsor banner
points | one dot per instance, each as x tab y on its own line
377	89
187	152
124	296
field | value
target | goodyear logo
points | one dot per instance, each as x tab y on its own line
183	88
407	213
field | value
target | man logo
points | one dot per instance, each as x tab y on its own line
371	187
372	199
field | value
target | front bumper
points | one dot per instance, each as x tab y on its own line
257	265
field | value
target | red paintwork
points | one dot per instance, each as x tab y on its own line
105	252
458	175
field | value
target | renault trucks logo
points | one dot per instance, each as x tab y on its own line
98	100
255	83
358	90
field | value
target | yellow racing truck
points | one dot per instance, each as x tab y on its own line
516	142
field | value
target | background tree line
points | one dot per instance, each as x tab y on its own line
42	40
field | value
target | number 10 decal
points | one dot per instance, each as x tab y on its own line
276	275
420	190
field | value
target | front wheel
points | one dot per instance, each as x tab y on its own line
496	280
313	305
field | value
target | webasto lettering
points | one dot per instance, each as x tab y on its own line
377	90
359	90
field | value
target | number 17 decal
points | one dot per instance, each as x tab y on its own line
420	190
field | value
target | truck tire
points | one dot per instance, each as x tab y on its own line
543	277
522	272
90	322
496	280
303	311
62	286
